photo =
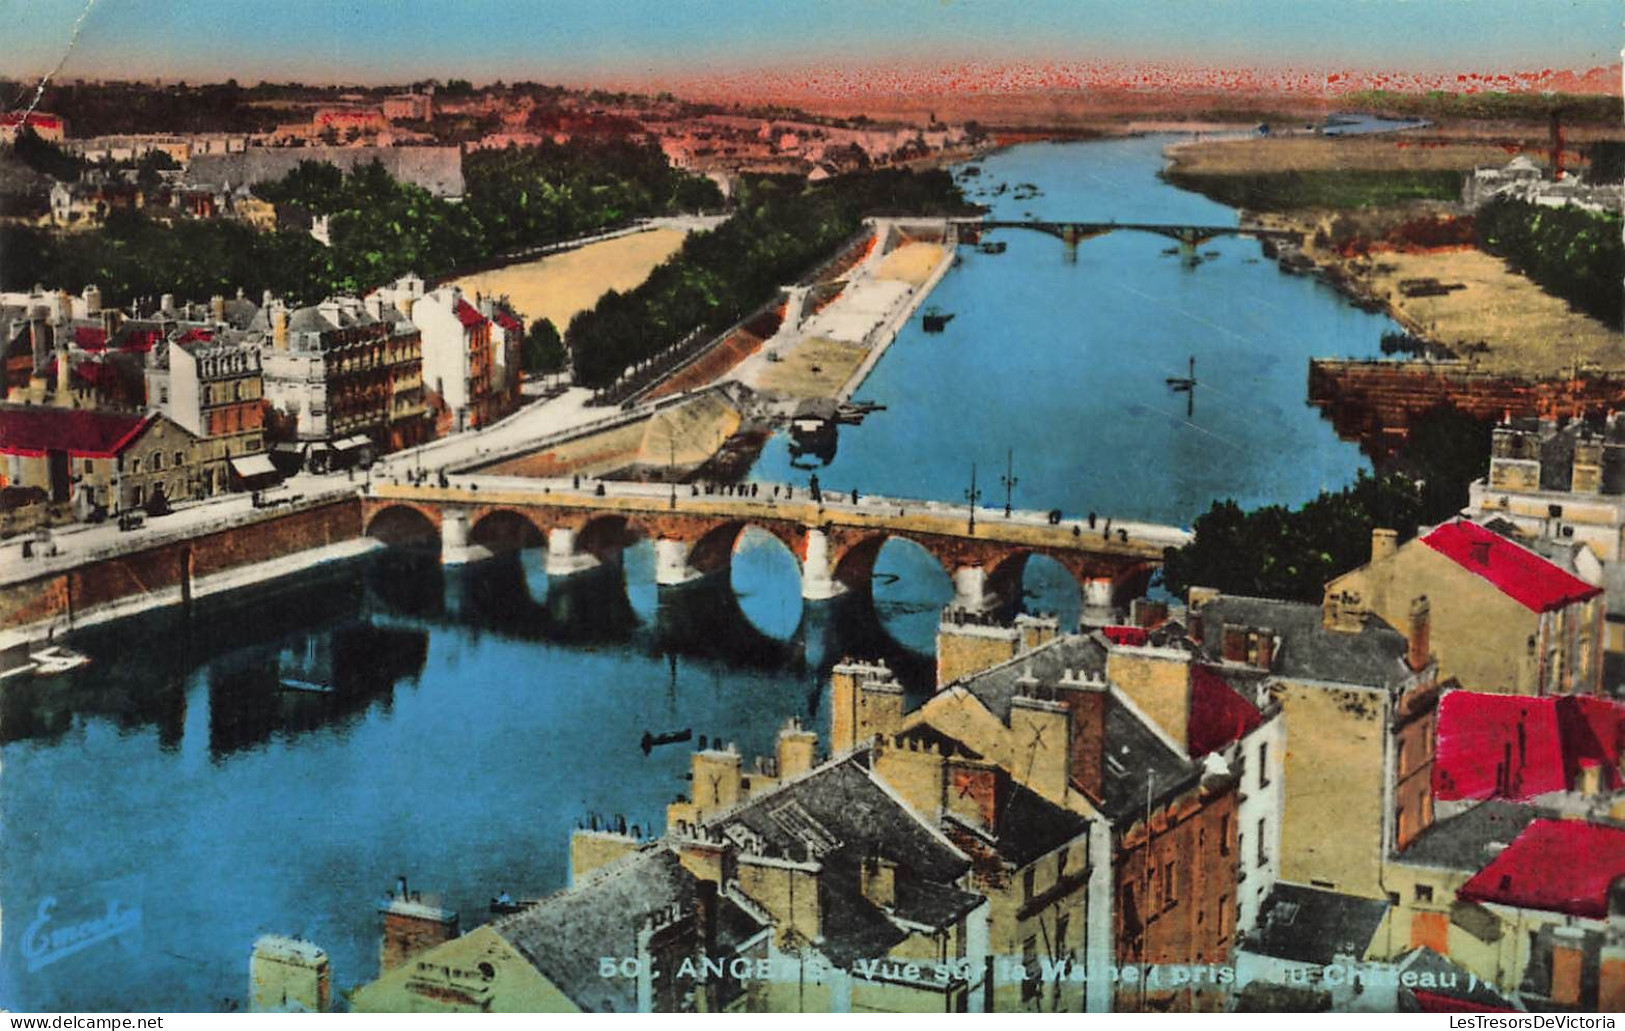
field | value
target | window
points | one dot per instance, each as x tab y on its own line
1060	865
1027	880
1424	893
1170	893
1263	853
1263	764
1224	835
1224	917
180	459
157	461
1061	947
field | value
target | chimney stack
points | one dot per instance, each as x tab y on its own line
1384	542
412	926
217	307
279	327
1418	650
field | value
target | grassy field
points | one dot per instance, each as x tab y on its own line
560	285
1327	188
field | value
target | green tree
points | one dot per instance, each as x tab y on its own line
543	349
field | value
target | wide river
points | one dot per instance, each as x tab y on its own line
167	805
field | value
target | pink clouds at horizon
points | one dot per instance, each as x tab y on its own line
982	77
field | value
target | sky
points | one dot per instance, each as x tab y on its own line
583	42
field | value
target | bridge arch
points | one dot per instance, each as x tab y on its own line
506	529
405	524
604	536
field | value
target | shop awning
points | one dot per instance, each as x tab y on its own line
250	466
351	443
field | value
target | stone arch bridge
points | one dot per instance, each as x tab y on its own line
835	543
1189	237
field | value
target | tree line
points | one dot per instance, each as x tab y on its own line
782	226
380	228
1572	253
1277	552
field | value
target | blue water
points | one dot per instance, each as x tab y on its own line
1066	364
174	793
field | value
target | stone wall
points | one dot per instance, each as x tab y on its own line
174	565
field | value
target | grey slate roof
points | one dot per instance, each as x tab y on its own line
1136	757
1468	840
1374	657
1047	663
1029	825
1138	760
1468	988
1314	926
839	816
564	935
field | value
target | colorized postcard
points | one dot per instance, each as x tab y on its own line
936	506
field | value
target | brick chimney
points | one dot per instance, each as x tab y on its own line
864	701
1418	650
1384	542
718	779
1568	963
797	750
1086	698
217	307
412	926
1265	649
279	327
1611	979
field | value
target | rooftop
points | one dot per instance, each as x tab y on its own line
1536	583
36	429
564	935
1374	656
1556	866
1315	926
1471	839
1516	747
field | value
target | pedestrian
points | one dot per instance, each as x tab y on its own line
854	495
1091	520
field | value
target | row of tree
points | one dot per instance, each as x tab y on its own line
1277	552
1575	254
782	227
380	228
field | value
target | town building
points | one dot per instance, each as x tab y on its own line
471	355
1358	703
1497	616
344	379
1521	179
1556	901
46	126
1099	725
207	380
103	463
410	107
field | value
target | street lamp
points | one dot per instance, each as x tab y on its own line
1009	478
671	468
973	496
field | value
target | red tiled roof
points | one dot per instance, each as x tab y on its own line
467	315
1219	715
89	338
32	117
1133	636
1516	748
195	334
1517	572
508	322
1555	866
1433	1002
33	430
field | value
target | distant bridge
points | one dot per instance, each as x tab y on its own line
1189	237
835	542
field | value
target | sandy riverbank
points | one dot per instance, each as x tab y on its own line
559	286
1528	332
1410	151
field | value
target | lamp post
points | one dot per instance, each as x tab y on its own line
973	496
671	469
1009	478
